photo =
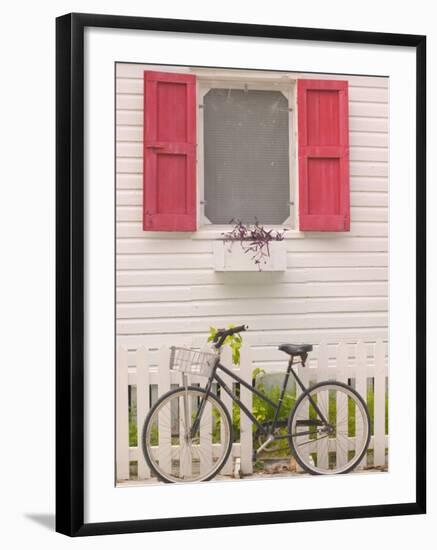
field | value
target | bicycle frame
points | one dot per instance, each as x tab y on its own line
277	406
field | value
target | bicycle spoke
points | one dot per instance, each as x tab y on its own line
313	440
328	452
179	455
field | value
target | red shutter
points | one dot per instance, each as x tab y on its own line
323	133
169	202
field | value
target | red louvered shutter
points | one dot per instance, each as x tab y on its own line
169	201
323	150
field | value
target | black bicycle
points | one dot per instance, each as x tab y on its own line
187	434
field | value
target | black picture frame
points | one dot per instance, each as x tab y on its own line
70	272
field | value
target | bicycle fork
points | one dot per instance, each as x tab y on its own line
201	408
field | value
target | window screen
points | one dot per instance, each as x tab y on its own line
246	144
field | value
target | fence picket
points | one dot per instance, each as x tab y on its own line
322	442
206	442
164	439
305	376
122	416
379	405
361	387
342	368
342	440
246	437
226	358
146	367
142	366
186	412
321	372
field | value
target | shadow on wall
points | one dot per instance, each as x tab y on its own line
46	520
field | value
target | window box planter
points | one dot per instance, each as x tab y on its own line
230	256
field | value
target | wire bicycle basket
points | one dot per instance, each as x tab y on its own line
191	361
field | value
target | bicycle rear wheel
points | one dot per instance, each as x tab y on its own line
338	445
175	454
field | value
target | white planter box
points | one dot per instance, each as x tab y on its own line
230	256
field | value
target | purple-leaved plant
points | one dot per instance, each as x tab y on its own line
254	239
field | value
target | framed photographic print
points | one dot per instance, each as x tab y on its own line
240	274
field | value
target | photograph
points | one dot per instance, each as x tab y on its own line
251	274
216	275
240	274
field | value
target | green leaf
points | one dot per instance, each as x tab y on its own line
234	341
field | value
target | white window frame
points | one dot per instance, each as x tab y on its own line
284	83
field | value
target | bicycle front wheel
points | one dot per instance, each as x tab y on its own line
329	429
172	451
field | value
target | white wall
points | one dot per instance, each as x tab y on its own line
27	290
335	286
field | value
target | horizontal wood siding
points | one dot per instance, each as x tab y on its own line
335	287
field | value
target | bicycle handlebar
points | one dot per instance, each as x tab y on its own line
222	334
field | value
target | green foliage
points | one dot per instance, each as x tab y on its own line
133	440
386	414
264	412
234	341
256	372
132	433
371	407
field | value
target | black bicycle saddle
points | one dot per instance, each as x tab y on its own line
296	349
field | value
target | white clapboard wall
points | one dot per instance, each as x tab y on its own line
335	287
334	290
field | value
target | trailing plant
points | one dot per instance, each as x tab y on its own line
234	341
254	240
265	413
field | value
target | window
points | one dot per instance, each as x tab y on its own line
226	149
246	156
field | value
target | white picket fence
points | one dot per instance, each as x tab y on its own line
146	369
